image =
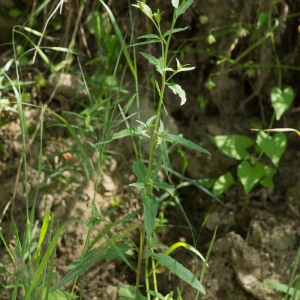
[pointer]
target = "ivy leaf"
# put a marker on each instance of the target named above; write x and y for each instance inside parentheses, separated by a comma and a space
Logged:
(177, 90)
(273, 146)
(250, 175)
(281, 100)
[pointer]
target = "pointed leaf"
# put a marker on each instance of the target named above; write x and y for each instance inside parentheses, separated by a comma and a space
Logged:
(181, 140)
(157, 63)
(140, 171)
(233, 145)
(149, 36)
(250, 175)
(175, 30)
(183, 7)
(281, 100)
(177, 90)
(179, 270)
(134, 131)
(150, 212)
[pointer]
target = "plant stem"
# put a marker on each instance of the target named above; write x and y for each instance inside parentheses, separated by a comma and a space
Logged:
(140, 258)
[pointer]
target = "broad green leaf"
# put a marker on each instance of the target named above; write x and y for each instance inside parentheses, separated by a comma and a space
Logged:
(267, 181)
(150, 211)
(177, 90)
(181, 140)
(223, 183)
(250, 175)
(134, 131)
(157, 63)
(183, 7)
(273, 146)
(234, 146)
(175, 30)
(179, 270)
(281, 100)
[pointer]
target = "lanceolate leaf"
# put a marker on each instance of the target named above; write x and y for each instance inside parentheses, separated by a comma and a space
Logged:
(150, 212)
(140, 171)
(134, 131)
(183, 7)
(181, 140)
(149, 36)
(175, 30)
(153, 61)
(179, 270)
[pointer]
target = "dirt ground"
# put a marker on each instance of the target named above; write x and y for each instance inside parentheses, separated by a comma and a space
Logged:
(258, 236)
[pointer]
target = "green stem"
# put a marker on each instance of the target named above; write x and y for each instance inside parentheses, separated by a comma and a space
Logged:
(140, 258)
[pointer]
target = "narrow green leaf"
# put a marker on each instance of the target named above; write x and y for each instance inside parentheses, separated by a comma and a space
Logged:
(42, 266)
(181, 140)
(281, 100)
(273, 146)
(157, 63)
(234, 146)
(177, 90)
(183, 7)
(150, 211)
(250, 175)
(42, 234)
(120, 38)
(223, 183)
(174, 30)
(179, 270)
(134, 131)
(149, 36)
(162, 185)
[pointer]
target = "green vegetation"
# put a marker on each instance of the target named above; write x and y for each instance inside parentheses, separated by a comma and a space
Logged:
(105, 117)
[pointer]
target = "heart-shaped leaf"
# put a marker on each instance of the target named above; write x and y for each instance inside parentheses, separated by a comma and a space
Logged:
(234, 145)
(272, 146)
(281, 100)
(250, 175)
